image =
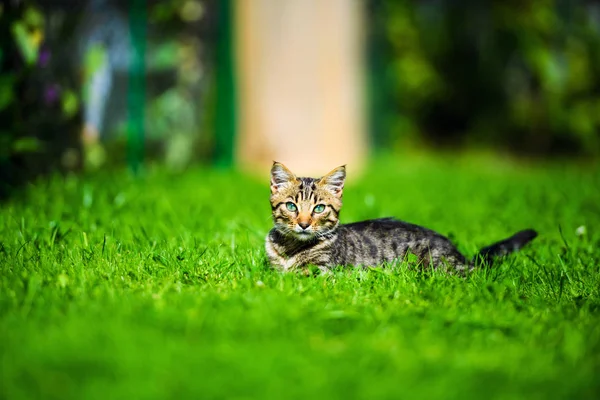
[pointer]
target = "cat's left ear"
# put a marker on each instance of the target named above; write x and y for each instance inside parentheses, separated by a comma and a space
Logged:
(280, 176)
(334, 181)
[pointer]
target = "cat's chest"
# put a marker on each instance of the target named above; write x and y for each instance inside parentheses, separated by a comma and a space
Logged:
(285, 257)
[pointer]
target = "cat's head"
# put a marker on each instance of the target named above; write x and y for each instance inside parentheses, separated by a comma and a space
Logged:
(306, 208)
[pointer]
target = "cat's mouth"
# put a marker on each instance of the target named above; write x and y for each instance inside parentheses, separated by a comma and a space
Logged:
(304, 234)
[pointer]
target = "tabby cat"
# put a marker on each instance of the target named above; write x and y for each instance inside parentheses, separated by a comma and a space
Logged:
(307, 231)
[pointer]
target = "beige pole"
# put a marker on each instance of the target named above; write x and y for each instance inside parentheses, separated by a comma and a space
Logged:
(300, 93)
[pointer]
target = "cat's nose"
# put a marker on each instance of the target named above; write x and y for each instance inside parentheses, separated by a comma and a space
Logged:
(303, 225)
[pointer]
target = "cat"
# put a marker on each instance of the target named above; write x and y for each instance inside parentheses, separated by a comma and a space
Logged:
(307, 231)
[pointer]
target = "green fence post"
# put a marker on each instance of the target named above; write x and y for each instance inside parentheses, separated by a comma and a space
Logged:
(379, 101)
(225, 124)
(136, 93)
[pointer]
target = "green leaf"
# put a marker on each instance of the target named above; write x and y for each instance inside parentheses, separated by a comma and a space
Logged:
(33, 17)
(26, 145)
(70, 103)
(26, 43)
(95, 58)
(164, 57)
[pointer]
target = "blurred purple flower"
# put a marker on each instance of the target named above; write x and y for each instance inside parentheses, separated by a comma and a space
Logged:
(51, 94)
(44, 57)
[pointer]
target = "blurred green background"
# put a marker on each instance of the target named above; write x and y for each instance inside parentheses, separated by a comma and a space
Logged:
(511, 76)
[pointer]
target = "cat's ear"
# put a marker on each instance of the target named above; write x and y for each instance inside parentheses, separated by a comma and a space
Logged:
(334, 181)
(280, 176)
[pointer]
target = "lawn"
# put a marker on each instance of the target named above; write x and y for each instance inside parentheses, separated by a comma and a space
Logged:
(157, 287)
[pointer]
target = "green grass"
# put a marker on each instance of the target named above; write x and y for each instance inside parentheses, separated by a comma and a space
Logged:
(114, 287)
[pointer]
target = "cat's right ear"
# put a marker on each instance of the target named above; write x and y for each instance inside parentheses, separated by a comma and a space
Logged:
(280, 176)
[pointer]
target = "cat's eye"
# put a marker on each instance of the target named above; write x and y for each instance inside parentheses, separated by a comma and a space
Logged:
(319, 208)
(291, 206)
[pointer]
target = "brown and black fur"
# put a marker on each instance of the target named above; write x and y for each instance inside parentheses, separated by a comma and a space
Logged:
(302, 236)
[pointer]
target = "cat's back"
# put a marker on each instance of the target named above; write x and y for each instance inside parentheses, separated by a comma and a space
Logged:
(386, 226)
(374, 241)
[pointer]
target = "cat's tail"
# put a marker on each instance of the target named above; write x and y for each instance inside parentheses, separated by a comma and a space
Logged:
(489, 254)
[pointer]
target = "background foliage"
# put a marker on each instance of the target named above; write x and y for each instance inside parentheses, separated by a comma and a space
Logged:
(521, 75)
(44, 75)
(39, 102)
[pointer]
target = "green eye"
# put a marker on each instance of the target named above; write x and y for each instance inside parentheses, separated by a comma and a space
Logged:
(291, 206)
(319, 208)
